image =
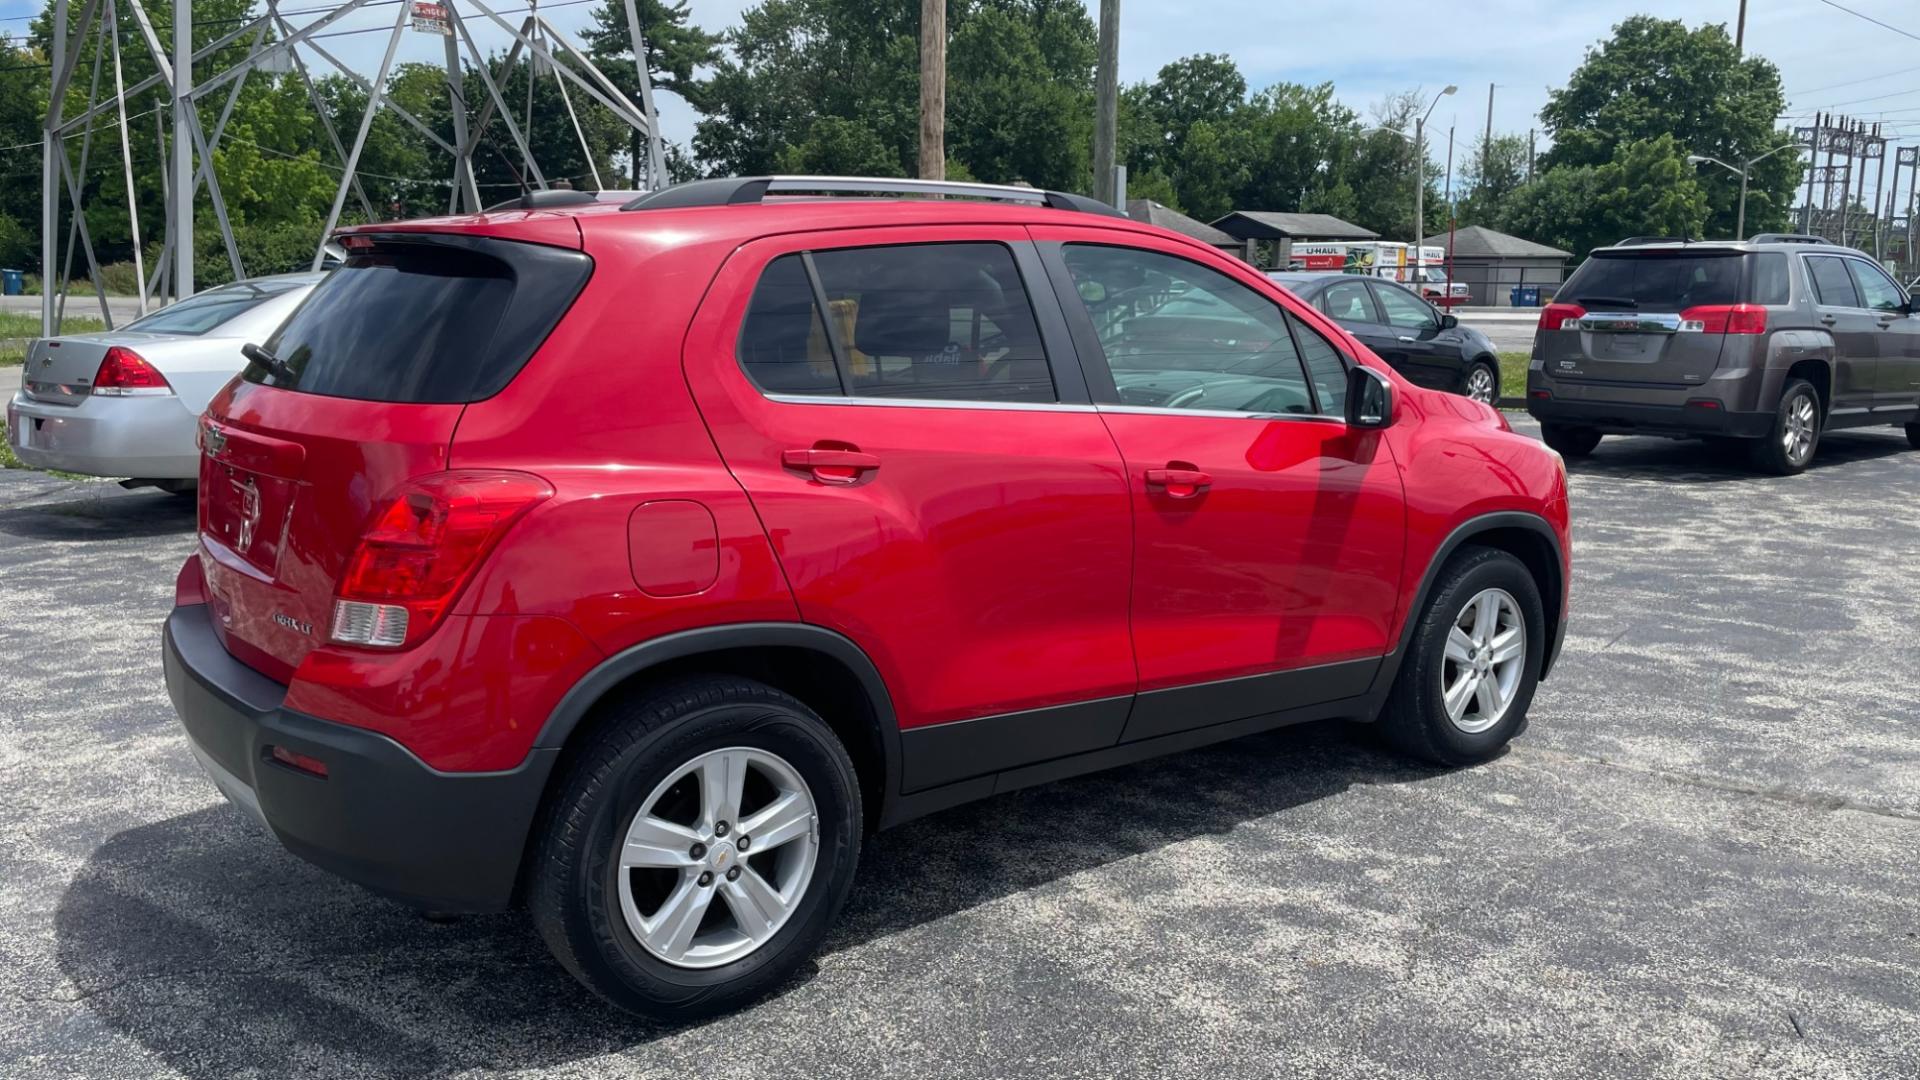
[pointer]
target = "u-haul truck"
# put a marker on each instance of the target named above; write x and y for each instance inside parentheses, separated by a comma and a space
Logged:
(1426, 271)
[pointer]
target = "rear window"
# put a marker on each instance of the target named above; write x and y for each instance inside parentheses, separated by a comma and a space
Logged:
(446, 321)
(197, 315)
(1655, 280)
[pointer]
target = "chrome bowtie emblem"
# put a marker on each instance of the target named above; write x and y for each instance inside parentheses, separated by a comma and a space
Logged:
(214, 439)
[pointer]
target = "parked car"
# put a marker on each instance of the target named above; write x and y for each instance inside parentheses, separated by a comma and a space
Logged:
(1771, 341)
(633, 562)
(127, 402)
(1428, 346)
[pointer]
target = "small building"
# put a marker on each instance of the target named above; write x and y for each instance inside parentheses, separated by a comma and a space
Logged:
(1167, 217)
(1493, 264)
(1253, 227)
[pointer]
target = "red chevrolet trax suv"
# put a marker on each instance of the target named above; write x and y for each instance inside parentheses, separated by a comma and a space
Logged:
(632, 562)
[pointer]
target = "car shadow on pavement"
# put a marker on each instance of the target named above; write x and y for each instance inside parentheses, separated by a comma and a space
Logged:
(1697, 461)
(111, 515)
(223, 955)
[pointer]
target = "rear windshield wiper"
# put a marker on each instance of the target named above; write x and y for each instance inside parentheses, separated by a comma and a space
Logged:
(1622, 302)
(275, 366)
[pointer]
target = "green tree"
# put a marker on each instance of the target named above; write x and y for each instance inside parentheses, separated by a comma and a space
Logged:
(1657, 77)
(1491, 173)
(1647, 189)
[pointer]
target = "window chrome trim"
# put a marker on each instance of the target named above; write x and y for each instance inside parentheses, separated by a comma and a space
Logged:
(1156, 410)
(929, 403)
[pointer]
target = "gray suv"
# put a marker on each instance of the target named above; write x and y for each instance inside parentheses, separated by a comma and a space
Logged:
(1772, 341)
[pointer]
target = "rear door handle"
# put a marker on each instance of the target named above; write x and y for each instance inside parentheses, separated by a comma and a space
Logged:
(831, 466)
(1178, 481)
(1828, 320)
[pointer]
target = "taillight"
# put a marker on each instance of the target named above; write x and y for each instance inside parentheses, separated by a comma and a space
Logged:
(422, 548)
(1557, 316)
(1725, 319)
(124, 373)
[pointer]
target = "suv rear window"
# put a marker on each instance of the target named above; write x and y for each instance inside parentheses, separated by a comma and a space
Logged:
(442, 321)
(1655, 280)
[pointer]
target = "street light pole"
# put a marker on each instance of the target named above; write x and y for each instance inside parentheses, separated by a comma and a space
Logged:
(1740, 216)
(1420, 178)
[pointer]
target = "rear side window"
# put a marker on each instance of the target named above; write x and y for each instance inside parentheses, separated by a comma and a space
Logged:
(1769, 279)
(933, 322)
(1349, 301)
(197, 315)
(447, 321)
(1655, 281)
(1831, 282)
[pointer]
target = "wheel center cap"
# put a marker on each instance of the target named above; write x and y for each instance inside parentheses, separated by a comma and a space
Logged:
(721, 857)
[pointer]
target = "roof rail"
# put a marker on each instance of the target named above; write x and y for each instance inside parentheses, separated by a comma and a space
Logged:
(1636, 241)
(1787, 238)
(735, 191)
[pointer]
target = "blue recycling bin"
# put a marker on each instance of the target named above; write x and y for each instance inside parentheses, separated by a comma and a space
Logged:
(1524, 296)
(13, 282)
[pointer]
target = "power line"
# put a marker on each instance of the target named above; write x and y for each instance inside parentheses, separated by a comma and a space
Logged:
(1871, 19)
(1854, 82)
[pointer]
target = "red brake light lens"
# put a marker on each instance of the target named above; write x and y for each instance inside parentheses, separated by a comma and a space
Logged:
(1556, 316)
(1725, 319)
(124, 373)
(421, 549)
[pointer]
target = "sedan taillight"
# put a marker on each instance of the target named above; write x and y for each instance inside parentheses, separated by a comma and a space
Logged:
(125, 373)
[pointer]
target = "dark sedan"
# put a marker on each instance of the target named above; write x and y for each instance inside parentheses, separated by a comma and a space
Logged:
(1429, 347)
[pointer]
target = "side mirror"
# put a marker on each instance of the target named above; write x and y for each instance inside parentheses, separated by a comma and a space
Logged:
(1369, 398)
(1449, 321)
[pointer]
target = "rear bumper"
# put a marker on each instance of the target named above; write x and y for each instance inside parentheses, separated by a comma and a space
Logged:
(1626, 419)
(147, 437)
(380, 817)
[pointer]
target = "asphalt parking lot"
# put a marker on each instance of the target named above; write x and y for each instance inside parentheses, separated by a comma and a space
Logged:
(1703, 860)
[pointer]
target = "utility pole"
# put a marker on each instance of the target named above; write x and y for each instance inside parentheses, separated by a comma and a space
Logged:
(933, 89)
(1740, 31)
(1106, 108)
(1530, 155)
(1486, 145)
(50, 174)
(180, 229)
(1813, 166)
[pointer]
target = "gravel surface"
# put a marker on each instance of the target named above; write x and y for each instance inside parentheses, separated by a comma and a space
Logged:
(1702, 860)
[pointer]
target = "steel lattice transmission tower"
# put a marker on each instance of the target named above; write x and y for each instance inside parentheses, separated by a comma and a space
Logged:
(276, 42)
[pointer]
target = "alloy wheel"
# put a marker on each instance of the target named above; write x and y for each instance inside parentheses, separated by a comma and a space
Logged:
(1480, 384)
(1802, 424)
(737, 824)
(1485, 655)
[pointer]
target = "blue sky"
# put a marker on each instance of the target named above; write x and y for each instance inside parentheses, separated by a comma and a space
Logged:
(1369, 48)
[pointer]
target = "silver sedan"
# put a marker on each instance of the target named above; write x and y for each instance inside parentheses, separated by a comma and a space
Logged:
(127, 402)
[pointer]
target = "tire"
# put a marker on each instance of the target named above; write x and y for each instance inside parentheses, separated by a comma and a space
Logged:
(1481, 382)
(583, 901)
(1789, 446)
(1417, 720)
(1570, 442)
(1913, 436)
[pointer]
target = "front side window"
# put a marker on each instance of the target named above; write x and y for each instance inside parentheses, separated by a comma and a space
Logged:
(1349, 302)
(1831, 282)
(1325, 366)
(1403, 310)
(1877, 290)
(1177, 335)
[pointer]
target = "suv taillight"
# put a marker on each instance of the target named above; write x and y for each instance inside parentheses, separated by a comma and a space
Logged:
(1556, 316)
(1725, 319)
(124, 373)
(422, 548)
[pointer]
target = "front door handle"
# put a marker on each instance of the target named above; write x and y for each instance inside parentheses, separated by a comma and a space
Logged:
(1178, 480)
(1828, 320)
(1407, 337)
(831, 466)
